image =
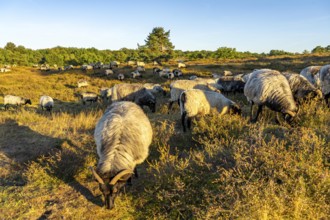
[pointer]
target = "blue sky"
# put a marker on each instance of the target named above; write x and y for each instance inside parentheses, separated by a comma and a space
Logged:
(254, 25)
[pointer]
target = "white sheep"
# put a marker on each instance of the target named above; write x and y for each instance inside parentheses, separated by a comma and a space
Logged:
(108, 72)
(194, 102)
(15, 100)
(135, 93)
(301, 88)
(272, 89)
(181, 65)
(156, 70)
(46, 102)
(121, 76)
(122, 136)
(86, 67)
(170, 75)
(69, 67)
(136, 74)
(325, 82)
(177, 73)
(154, 88)
(177, 87)
(82, 83)
(4, 70)
(88, 97)
(193, 77)
(311, 73)
(140, 69)
(114, 64)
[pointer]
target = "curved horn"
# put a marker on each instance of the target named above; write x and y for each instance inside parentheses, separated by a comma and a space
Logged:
(291, 113)
(319, 93)
(119, 175)
(97, 177)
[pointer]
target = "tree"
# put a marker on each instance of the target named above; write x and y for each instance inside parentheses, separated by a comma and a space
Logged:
(158, 45)
(10, 46)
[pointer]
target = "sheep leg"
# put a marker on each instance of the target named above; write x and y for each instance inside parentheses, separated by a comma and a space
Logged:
(251, 110)
(170, 104)
(183, 120)
(326, 97)
(189, 123)
(258, 112)
(136, 173)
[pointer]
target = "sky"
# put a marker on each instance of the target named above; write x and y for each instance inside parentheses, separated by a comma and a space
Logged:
(247, 25)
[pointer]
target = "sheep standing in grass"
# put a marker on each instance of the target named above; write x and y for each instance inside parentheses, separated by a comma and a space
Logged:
(136, 74)
(88, 97)
(82, 83)
(301, 88)
(194, 102)
(135, 93)
(177, 73)
(121, 77)
(325, 82)
(154, 88)
(122, 136)
(15, 100)
(177, 87)
(46, 102)
(105, 93)
(311, 73)
(108, 72)
(272, 89)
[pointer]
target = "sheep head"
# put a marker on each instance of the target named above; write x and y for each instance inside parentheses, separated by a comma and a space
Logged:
(110, 186)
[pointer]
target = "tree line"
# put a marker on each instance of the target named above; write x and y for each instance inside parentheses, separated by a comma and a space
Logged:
(158, 47)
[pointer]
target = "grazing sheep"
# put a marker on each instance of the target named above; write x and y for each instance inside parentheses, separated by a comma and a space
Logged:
(106, 66)
(301, 88)
(121, 76)
(311, 73)
(15, 100)
(272, 89)
(105, 93)
(156, 70)
(108, 72)
(177, 87)
(114, 64)
(177, 73)
(154, 88)
(136, 74)
(181, 65)
(46, 102)
(82, 83)
(86, 67)
(227, 73)
(89, 97)
(140, 69)
(122, 136)
(196, 101)
(4, 70)
(139, 63)
(193, 77)
(325, 82)
(69, 67)
(170, 75)
(231, 84)
(135, 93)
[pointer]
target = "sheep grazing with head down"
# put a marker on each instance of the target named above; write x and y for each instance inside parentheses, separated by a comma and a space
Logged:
(122, 136)
(194, 102)
(135, 93)
(301, 88)
(272, 89)
(46, 102)
(325, 82)
(15, 100)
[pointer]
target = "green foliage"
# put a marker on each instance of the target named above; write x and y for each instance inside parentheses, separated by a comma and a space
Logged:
(320, 49)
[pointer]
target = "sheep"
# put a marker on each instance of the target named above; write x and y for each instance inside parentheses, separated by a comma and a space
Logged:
(325, 82)
(170, 75)
(105, 93)
(69, 67)
(108, 72)
(135, 93)
(177, 87)
(156, 70)
(154, 88)
(231, 84)
(15, 100)
(4, 70)
(227, 73)
(88, 97)
(139, 63)
(177, 72)
(121, 76)
(46, 102)
(86, 67)
(82, 83)
(301, 88)
(164, 73)
(196, 101)
(106, 66)
(272, 89)
(311, 73)
(114, 64)
(181, 65)
(193, 77)
(140, 69)
(136, 74)
(122, 136)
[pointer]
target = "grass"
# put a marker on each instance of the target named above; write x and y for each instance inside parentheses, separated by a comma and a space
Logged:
(225, 168)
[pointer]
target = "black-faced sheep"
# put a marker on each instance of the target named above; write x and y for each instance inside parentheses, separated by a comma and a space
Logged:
(15, 100)
(135, 93)
(272, 89)
(194, 102)
(301, 88)
(122, 136)
(121, 76)
(46, 102)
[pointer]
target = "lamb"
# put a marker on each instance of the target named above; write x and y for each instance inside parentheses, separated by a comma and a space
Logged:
(196, 101)
(46, 102)
(325, 82)
(301, 88)
(154, 88)
(121, 76)
(88, 97)
(82, 83)
(122, 136)
(311, 73)
(15, 100)
(177, 87)
(272, 89)
(135, 93)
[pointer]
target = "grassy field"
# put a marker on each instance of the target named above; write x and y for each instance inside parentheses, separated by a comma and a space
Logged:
(225, 168)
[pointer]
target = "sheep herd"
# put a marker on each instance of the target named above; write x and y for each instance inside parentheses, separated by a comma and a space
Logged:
(124, 133)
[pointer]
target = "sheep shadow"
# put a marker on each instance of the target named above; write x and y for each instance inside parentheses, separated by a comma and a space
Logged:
(20, 146)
